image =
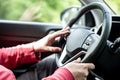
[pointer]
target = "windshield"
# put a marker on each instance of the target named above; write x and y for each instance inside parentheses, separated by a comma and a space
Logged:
(114, 5)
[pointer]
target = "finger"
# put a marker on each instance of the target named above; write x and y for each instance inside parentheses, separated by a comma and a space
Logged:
(77, 60)
(60, 33)
(67, 27)
(90, 65)
(52, 49)
(57, 39)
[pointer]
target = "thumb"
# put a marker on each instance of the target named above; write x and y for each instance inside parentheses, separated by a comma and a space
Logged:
(78, 60)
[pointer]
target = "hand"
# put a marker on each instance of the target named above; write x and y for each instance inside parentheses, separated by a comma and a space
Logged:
(79, 70)
(44, 44)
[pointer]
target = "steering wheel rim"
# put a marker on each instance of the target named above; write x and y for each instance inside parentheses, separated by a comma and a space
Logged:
(106, 28)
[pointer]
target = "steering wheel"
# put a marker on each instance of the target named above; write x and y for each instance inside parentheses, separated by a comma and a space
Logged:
(84, 42)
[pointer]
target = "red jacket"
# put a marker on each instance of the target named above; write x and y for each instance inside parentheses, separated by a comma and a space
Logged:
(12, 57)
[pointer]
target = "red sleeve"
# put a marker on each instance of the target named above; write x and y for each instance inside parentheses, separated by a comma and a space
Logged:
(6, 74)
(60, 74)
(15, 56)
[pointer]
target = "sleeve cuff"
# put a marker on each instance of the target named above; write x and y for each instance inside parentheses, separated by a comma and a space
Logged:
(61, 74)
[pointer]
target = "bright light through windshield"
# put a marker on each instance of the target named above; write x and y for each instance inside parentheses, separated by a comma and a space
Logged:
(114, 5)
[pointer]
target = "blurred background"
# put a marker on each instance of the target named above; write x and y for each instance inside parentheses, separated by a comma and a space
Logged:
(41, 10)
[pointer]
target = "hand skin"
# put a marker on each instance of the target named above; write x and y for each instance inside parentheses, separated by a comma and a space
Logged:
(44, 44)
(79, 70)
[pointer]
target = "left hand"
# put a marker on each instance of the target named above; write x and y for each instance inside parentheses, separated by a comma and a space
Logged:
(79, 70)
(44, 44)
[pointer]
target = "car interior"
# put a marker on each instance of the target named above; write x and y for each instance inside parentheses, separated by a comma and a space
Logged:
(99, 25)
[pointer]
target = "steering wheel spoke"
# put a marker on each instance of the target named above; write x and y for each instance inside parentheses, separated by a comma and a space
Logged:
(62, 57)
(97, 29)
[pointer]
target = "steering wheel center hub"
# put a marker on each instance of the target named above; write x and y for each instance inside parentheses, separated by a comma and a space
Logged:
(76, 41)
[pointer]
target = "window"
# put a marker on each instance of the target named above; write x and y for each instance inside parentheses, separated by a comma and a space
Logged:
(114, 5)
(34, 10)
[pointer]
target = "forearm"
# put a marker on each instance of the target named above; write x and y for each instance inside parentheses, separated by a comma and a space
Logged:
(15, 56)
(60, 74)
(6, 74)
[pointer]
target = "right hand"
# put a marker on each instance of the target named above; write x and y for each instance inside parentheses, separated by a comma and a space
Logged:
(79, 70)
(45, 44)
